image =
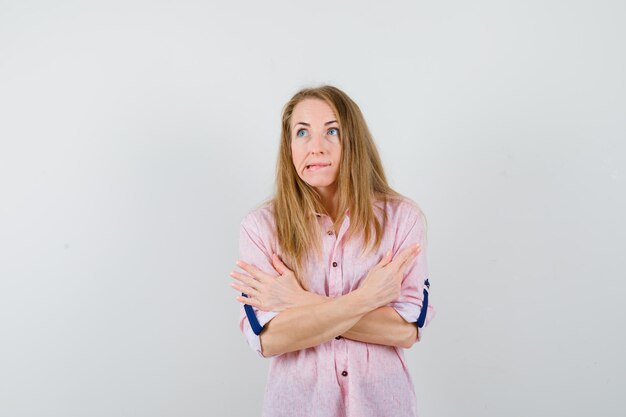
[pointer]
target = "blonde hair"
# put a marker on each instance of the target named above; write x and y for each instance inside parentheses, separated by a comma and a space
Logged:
(361, 182)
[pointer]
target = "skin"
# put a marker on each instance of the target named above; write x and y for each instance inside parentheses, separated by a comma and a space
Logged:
(361, 315)
(315, 137)
(309, 319)
(270, 293)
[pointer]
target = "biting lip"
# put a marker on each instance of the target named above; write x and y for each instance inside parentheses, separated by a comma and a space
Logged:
(317, 165)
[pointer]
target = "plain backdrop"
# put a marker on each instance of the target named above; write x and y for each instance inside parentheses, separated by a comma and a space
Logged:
(135, 135)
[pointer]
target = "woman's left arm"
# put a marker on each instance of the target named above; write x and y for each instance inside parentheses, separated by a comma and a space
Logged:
(401, 322)
(383, 326)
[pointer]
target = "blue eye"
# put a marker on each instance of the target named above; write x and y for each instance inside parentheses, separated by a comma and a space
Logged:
(329, 130)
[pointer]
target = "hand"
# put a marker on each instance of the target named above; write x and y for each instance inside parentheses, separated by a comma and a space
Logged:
(267, 292)
(382, 284)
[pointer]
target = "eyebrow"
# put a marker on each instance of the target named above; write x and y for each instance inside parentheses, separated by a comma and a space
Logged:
(306, 124)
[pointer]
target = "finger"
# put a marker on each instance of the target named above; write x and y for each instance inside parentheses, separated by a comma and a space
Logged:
(385, 259)
(246, 290)
(254, 271)
(249, 301)
(280, 267)
(405, 255)
(400, 258)
(250, 281)
(408, 261)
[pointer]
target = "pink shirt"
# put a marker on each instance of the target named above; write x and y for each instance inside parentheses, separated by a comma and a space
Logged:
(341, 377)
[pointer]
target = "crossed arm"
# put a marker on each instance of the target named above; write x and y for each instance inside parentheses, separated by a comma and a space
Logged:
(315, 319)
(321, 318)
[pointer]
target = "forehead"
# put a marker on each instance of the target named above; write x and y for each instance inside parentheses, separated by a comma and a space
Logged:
(312, 110)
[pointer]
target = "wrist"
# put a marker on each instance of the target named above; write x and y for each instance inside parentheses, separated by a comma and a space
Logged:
(362, 301)
(306, 298)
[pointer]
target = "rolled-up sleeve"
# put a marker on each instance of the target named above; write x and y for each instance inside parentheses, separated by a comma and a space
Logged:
(254, 249)
(414, 304)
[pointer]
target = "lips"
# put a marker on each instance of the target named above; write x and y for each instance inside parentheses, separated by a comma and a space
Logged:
(315, 167)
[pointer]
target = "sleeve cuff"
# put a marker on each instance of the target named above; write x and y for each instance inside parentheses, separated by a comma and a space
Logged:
(254, 340)
(416, 314)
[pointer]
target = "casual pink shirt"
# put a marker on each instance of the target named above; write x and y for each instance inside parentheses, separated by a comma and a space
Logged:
(341, 377)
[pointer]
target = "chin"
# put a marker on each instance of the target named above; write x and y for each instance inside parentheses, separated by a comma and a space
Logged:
(320, 183)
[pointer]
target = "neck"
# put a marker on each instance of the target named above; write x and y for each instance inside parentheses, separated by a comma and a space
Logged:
(330, 199)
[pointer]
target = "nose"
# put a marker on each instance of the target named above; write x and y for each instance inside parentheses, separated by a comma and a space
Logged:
(317, 143)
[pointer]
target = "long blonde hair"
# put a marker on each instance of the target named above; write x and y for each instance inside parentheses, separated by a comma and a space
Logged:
(360, 183)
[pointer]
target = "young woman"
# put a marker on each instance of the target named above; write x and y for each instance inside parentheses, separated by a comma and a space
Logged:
(335, 272)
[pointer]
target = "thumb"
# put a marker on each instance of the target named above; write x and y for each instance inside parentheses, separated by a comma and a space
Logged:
(386, 258)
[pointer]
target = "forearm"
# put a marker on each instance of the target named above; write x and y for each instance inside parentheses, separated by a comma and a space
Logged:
(383, 325)
(312, 324)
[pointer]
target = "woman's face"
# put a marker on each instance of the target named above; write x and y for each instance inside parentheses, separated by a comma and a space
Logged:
(315, 140)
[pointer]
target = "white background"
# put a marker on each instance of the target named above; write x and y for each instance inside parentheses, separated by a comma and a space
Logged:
(135, 135)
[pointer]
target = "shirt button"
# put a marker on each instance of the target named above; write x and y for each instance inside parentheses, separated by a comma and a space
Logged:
(334, 263)
(338, 337)
(344, 373)
(330, 232)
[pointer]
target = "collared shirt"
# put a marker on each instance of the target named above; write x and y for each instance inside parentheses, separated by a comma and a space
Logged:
(341, 377)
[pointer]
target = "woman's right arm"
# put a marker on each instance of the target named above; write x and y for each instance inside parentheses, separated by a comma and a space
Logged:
(307, 326)
(310, 325)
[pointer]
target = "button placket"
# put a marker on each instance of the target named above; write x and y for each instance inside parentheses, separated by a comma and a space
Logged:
(336, 278)
(333, 288)
(334, 275)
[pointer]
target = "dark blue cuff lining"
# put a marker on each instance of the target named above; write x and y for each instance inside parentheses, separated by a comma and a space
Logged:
(422, 317)
(254, 322)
